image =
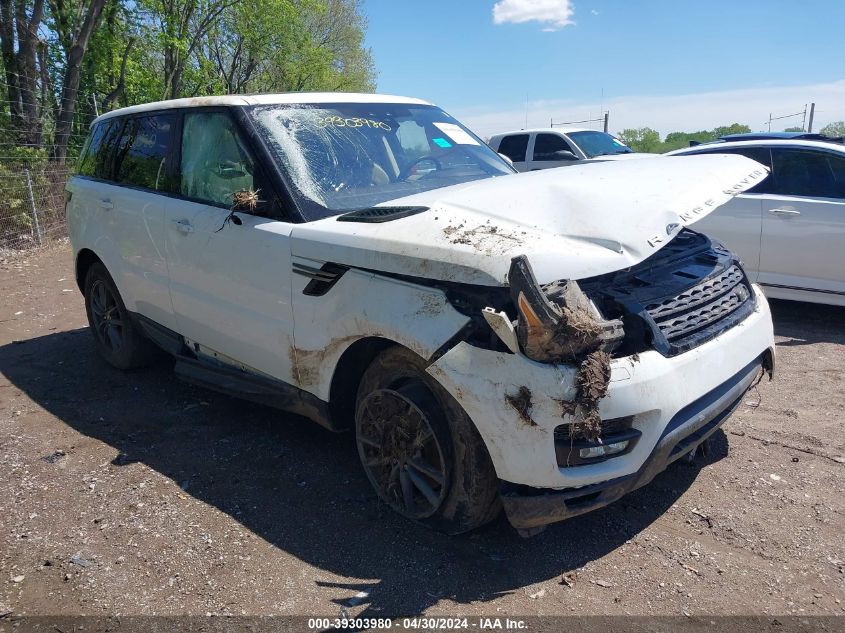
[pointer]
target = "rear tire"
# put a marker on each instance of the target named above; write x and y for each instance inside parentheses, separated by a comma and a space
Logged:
(117, 338)
(419, 449)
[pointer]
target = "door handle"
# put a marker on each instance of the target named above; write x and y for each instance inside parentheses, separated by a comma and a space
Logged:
(786, 211)
(106, 204)
(183, 226)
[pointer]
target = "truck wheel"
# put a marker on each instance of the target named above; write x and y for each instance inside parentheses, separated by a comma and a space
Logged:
(118, 340)
(419, 449)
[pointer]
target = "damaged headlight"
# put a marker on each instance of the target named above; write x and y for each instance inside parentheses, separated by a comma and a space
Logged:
(560, 325)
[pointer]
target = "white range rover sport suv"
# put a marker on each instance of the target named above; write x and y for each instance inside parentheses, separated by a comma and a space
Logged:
(543, 342)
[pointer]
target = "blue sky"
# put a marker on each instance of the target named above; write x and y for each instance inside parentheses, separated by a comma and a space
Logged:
(671, 65)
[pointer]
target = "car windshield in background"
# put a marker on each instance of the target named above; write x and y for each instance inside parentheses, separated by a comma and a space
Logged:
(340, 157)
(599, 144)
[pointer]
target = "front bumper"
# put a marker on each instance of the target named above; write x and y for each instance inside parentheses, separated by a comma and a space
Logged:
(529, 507)
(675, 404)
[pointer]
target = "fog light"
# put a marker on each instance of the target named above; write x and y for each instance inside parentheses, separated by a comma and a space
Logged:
(603, 450)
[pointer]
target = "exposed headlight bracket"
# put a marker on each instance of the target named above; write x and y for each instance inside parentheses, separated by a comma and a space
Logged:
(563, 330)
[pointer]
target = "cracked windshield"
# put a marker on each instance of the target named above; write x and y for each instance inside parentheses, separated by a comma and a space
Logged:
(342, 157)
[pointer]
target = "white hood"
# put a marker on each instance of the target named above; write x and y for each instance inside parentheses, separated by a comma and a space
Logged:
(571, 223)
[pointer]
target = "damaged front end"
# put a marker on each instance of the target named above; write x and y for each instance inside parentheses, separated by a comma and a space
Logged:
(596, 385)
(684, 295)
(559, 324)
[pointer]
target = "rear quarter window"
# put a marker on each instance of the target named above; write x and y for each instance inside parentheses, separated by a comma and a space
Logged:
(96, 157)
(514, 147)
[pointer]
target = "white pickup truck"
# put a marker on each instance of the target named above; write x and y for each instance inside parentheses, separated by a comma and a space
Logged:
(544, 148)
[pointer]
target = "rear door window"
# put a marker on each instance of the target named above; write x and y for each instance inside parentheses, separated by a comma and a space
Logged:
(141, 156)
(514, 147)
(546, 146)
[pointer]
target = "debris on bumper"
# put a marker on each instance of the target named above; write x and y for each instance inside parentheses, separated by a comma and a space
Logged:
(562, 326)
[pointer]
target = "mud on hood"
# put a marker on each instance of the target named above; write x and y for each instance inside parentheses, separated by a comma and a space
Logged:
(573, 222)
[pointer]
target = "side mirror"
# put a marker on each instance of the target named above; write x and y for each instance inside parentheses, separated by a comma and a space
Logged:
(561, 154)
(229, 170)
(507, 159)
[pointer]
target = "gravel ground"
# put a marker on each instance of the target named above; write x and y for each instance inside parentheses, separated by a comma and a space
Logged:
(132, 493)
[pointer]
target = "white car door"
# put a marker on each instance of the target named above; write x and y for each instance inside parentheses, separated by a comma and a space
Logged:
(803, 242)
(230, 274)
(130, 210)
(551, 150)
(738, 224)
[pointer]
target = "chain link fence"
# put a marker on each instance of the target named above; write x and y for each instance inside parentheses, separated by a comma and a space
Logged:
(32, 204)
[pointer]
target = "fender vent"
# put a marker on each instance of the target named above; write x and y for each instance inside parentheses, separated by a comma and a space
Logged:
(380, 214)
(322, 279)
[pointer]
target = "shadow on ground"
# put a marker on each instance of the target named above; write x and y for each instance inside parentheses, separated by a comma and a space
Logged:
(301, 488)
(807, 323)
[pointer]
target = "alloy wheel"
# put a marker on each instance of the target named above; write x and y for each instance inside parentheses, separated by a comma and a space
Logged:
(400, 451)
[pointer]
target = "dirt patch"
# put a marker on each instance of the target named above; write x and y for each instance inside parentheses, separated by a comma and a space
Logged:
(486, 238)
(308, 362)
(432, 304)
(592, 380)
(522, 403)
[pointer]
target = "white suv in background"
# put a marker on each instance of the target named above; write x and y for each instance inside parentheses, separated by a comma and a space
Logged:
(543, 342)
(545, 148)
(789, 229)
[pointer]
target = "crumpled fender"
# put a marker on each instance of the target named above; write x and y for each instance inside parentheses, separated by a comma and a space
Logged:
(363, 304)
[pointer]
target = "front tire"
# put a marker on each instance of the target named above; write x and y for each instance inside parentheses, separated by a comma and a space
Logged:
(117, 338)
(420, 451)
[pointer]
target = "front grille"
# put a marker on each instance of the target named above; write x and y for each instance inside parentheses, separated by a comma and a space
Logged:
(700, 306)
(697, 295)
(679, 298)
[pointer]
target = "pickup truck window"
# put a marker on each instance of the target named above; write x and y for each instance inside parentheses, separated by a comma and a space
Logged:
(514, 147)
(343, 156)
(595, 143)
(545, 146)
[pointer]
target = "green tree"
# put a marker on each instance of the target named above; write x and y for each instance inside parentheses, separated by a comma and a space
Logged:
(331, 55)
(642, 139)
(733, 128)
(834, 129)
(796, 128)
(64, 62)
(677, 140)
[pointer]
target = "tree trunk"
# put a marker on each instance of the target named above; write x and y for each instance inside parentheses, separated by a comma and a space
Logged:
(20, 66)
(70, 83)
